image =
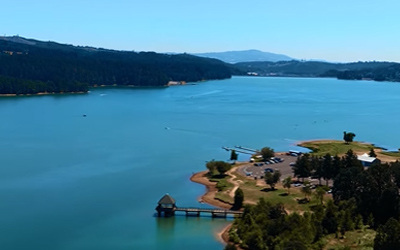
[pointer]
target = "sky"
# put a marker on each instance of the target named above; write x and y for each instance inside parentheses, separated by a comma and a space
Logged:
(337, 31)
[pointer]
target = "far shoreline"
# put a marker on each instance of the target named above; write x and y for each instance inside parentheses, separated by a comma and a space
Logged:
(83, 92)
(110, 87)
(43, 93)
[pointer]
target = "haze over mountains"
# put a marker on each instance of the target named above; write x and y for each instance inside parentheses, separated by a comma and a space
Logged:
(245, 56)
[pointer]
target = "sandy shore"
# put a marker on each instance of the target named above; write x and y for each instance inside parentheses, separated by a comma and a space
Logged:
(211, 190)
(209, 198)
(223, 236)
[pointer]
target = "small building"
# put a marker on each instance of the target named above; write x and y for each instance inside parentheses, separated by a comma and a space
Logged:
(367, 160)
(173, 83)
(166, 205)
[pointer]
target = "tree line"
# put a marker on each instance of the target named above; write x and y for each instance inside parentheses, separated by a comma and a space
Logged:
(379, 71)
(50, 67)
(387, 73)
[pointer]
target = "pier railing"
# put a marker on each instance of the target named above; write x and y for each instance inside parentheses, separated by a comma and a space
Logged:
(214, 212)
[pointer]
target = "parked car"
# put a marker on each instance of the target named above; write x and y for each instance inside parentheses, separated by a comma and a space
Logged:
(292, 164)
(258, 164)
(268, 170)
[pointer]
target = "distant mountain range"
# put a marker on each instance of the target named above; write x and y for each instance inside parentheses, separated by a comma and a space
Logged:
(245, 56)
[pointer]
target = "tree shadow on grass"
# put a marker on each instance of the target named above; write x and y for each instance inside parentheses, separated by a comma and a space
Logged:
(283, 194)
(216, 177)
(313, 207)
(303, 201)
(268, 189)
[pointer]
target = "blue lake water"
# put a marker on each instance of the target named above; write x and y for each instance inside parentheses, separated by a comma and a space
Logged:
(73, 182)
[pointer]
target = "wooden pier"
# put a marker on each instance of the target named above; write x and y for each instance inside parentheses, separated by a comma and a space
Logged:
(248, 149)
(167, 206)
(214, 212)
(236, 150)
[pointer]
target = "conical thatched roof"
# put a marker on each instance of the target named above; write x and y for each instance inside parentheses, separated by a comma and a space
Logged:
(166, 199)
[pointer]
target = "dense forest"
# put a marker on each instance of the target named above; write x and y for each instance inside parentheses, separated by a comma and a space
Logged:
(388, 73)
(30, 66)
(379, 71)
(360, 198)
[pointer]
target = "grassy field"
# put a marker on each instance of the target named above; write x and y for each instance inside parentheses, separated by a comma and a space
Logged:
(253, 192)
(322, 147)
(358, 239)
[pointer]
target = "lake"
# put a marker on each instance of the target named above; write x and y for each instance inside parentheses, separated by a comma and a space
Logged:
(74, 182)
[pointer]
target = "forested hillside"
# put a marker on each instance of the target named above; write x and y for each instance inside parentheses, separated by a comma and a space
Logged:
(388, 73)
(379, 71)
(29, 67)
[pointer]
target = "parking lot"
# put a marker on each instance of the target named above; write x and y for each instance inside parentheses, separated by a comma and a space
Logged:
(284, 167)
(257, 172)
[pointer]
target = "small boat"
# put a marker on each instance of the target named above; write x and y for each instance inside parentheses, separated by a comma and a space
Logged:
(84, 115)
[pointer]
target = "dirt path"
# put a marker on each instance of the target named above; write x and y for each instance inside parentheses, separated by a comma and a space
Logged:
(236, 183)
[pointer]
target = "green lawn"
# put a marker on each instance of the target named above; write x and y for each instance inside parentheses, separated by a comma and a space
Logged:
(321, 148)
(253, 193)
(357, 239)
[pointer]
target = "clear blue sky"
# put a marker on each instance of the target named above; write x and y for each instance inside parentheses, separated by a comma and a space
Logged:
(340, 30)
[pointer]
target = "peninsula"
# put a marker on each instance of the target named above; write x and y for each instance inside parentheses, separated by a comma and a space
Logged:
(301, 193)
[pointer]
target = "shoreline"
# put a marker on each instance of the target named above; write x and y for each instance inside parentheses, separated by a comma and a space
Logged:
(84, 92)
(298, 143)
(43, 93)
(208, 197)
